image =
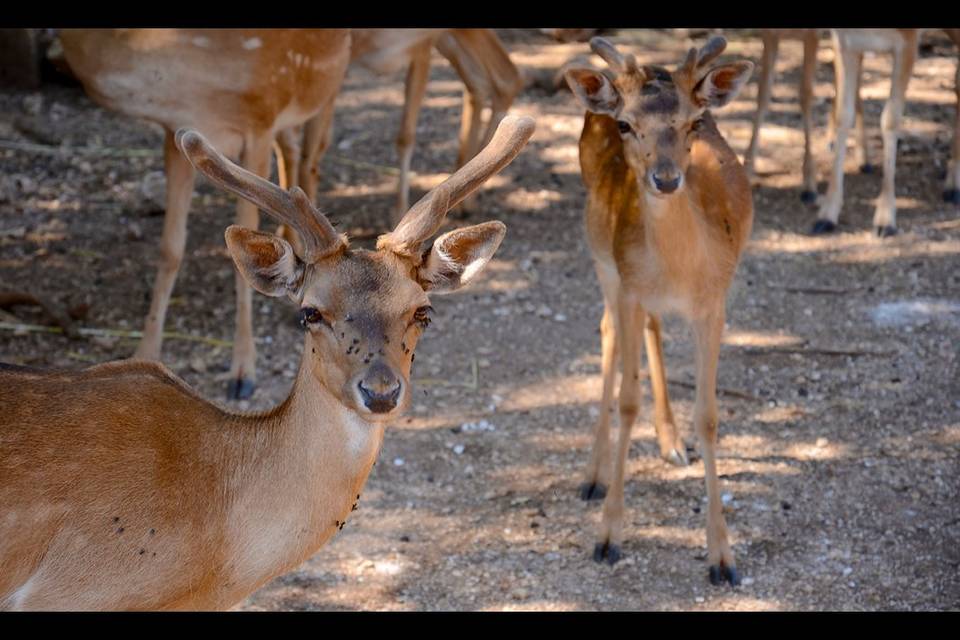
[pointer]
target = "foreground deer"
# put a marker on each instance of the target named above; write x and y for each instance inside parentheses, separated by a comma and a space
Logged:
(238, 86)
(490, 81)
(668, 212)
(121, 488)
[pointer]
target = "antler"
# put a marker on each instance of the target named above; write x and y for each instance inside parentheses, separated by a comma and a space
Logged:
(617, 61)
(291, 207)
(426, 216)
(696, 61)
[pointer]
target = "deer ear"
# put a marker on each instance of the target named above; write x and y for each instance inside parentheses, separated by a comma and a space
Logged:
(267, 262)
(594, 90)
(722, 84)
(458, 256)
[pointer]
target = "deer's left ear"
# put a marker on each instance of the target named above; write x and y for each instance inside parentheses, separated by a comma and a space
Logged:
(722, 84)
(265, 261)
(458, 256)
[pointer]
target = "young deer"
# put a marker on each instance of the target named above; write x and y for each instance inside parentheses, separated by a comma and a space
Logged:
(489, 76)
(240, 87)
(668, 212)
(121, 488)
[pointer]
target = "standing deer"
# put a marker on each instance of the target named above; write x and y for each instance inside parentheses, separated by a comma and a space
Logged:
(240, 87)
(490, 81)
(668, 212)
(121, 488)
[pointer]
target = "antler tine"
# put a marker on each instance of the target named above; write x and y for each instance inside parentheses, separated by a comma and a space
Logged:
(713, 48)
(605, 49)
(290, 207)
(426, 216)
(689, 62)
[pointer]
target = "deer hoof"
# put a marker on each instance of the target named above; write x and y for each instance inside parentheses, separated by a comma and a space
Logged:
(808, 197)
(952, 195)
(886, 231)
(867, 168)
(239, 389)
(677, 457)
(593, 491)
(604, 551)
(821, 227)
(722, 573)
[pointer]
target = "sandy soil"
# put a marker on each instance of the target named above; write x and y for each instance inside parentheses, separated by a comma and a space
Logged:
(839, 471)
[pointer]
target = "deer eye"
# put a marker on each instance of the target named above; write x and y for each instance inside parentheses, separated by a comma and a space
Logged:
(623, 126)
(311, 316)
(422, 316)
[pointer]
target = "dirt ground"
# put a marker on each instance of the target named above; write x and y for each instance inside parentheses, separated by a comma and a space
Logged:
(839, 447)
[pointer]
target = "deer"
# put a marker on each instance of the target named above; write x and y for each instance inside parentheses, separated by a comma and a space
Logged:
(122, 488)
(490, 78)
(669, 209)
(240, 87)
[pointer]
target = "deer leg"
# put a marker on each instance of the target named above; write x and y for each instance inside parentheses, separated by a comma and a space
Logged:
(317, 134)
(672, 448)
(287, 150)
(810, 42)
(769, 62)
(951, 192)
(180, 178)
(611, 526)
(885, 215)
(242, 375)
(470, 122)
(708, 333)
(861, 150)
(845, 63)
(417, 76)
(598, 471)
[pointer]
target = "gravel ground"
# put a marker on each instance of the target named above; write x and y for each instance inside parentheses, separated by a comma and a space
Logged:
(840, 412)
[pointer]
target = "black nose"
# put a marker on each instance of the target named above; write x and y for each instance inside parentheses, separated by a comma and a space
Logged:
(379, 402)
(666, 186)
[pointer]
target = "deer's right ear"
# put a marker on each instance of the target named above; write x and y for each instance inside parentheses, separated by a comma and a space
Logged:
(267, 262)
(594, 90)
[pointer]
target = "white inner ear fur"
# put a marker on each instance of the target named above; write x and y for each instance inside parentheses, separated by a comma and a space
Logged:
(710, 94)
(594, 90)
(458, 256)
(267, 262)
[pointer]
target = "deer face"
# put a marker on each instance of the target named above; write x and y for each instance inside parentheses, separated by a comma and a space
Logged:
(658, 113)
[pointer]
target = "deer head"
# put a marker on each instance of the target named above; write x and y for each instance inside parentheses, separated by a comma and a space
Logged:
(362, 311)
(659, 113)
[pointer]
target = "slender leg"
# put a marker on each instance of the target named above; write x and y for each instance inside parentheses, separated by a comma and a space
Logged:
(317, 134)
(708, 333)
(672, 448)
(597, 477)
(240, 384)
(287, 150)
(844, 62)
(885, 215)
(611, 526)
(951, 191)
(771, 42)
(180, 178)
(861, 151)
(471, 121)
(810, 42)
(416, 86)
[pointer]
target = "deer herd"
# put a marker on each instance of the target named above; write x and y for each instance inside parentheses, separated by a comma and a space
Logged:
(122, 488)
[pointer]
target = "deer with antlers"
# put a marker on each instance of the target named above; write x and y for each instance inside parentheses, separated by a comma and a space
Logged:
(121, 488)
(490, 79)
(668, 212)
(240, 87)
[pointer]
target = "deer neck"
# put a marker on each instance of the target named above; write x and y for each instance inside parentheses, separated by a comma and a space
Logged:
(296, 483)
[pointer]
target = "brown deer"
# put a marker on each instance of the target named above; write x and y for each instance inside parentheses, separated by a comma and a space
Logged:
(490, 81)
(240, 87)
(121, 488)
(668, 212)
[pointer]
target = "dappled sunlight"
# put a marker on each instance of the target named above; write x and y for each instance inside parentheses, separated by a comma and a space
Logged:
(739, 338)
(851, 247)
(535, 605)
(780, 414)
(822, 449)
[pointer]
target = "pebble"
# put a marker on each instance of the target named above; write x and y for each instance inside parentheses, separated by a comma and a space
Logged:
(458, 449)
(398, 462)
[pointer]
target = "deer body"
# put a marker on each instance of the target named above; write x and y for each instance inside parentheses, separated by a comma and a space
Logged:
(120, 488)
(239, 87)
(668, 212)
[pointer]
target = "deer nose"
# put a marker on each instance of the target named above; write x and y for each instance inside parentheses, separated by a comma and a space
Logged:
(380, 388)
(666, 185)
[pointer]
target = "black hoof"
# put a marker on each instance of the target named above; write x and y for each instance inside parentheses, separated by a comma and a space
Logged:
(952, 195)
(239, 389)
(808, 197)
(606, 552)
(886, 231)
(593, 491)
(867, 168)
(821, 227)
(720, 574)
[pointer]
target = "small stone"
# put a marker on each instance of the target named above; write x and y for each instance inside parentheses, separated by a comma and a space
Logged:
(458, 449)
(559, 317)
(398, 462)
